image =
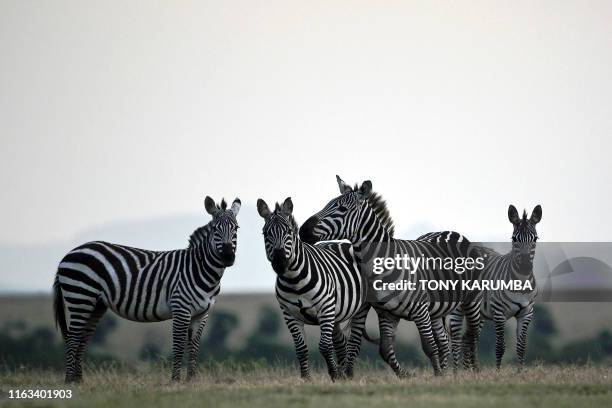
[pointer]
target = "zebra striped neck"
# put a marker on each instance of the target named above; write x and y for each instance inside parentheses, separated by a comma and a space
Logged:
(298, 260)
(369, 230)
(208, 263)
(209, 260)
(199, 236)
(378, 206)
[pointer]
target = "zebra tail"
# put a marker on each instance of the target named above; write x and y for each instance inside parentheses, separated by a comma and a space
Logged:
(368, 338)
(346, 331)
(58, 308)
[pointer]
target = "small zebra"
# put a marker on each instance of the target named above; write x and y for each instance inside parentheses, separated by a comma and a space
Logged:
(315, 285)
(145, 286)
(499, 306)
(361, 216)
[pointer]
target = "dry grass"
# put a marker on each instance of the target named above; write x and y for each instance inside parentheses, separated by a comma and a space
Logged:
(254, 386)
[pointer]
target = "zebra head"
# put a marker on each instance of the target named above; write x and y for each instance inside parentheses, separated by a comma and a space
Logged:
(280, 233)
(345, 216)
(223, 229)
(524, 236)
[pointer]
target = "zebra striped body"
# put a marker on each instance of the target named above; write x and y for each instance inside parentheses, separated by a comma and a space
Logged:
(315, 285)
(441, 244)
(145, 286)
(426, 308)
(318, 277)
(509, 267)
(502, 305)
(360, 216)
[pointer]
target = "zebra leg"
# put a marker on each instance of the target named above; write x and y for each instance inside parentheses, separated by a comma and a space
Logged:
(354, 341)
(326, 345)
(73, 340)
(442, 342)
(296, 328)
(456, 325)
(84, 314)
(86, 334)
(472, 334)
(181, 319)
(193, 343)
(423, 324)
(387, 325)
(522, 324)
(476, 361)
(500, 344)
(340, 343)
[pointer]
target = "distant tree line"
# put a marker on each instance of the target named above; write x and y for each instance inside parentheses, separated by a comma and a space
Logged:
(38, 347)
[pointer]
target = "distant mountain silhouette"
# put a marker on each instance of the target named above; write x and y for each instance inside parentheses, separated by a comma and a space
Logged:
(27, 268)
(31, 268)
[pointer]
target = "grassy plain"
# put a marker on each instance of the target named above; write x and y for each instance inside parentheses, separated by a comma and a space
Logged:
(254, 385)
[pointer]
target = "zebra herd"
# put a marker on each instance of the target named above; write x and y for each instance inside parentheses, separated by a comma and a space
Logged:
(317, 283)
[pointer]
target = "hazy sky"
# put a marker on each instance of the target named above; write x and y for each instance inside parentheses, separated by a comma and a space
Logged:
(115, 111)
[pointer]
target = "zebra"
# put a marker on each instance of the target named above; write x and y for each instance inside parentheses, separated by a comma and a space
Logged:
(361, 216)
(315, 285)
(499, 306)
(145, 286)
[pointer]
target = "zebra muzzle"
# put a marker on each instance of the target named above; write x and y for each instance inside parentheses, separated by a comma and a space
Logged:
(279, 260)
(228, 255)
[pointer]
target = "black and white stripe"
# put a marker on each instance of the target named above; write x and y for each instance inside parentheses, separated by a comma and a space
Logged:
(361, 216)
(502, 305)
(315, 285)
(145, 286)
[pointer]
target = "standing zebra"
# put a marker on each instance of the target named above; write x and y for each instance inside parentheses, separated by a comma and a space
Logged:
(145, 286)
(318, 284)
(361, 216)
(501, 305)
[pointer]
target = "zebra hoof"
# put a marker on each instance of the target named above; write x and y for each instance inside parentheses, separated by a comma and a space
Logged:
(73, 380)
(348, 373)
(306, 378)
(342, 376)
(403, 373)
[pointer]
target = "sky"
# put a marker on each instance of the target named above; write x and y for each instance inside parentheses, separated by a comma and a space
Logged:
(127, 113)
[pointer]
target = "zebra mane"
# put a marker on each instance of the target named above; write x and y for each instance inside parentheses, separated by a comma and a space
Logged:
(524, 215)
(379, 206)
(198, 236)
(485, 251)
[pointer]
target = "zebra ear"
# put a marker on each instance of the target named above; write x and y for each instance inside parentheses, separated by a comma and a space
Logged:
(344, 188)
(263, 209)
(209, 205)
(536, 215)
(366, 188)
(513, 215)
(287, 207)
(236, 206)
